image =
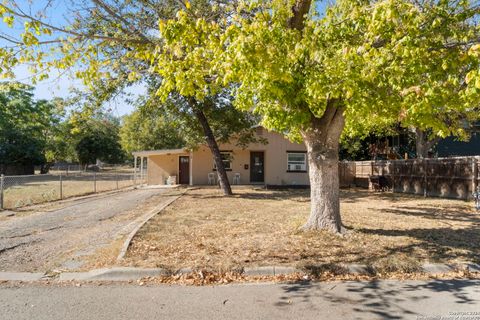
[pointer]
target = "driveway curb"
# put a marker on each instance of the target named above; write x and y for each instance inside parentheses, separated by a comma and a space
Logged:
(113, 274)
(21, 276)
(132, 274)
(141, 222)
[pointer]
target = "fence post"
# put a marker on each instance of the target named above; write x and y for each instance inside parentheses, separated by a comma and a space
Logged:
(424, 177)
(61, 186)
(116, 177)
(2, 184)
(392, 174)
(94, 182)
(474, 175)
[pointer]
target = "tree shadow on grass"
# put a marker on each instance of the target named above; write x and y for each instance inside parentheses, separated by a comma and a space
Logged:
(451, 213)
(355, 194)
(441, 243)
(379, 299)
(293, 194)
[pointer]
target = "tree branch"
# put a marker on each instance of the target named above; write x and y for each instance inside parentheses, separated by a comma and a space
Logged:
(78, 34)
(300, 9)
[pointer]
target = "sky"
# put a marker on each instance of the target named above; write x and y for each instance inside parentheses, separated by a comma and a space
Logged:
(60, 85)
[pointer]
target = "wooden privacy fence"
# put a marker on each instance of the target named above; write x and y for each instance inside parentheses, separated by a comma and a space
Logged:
(440, 177)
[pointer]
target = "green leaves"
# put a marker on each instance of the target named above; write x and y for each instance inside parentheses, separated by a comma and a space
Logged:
(388, 61)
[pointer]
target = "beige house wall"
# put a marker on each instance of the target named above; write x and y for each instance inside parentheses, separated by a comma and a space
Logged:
(160, 167)
(201, 163)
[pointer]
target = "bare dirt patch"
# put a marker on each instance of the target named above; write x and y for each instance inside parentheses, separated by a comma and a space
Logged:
(392, 232)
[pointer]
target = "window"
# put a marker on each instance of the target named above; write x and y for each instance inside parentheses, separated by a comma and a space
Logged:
(227, 160)
(297, 161)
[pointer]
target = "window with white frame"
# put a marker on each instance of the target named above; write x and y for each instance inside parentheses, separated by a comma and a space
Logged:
(227, 160)
(296, 161)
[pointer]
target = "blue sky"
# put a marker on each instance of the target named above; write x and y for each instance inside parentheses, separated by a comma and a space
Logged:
(56, 85)
(60, 86)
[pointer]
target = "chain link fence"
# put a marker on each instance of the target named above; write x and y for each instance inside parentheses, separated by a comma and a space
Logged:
(23, 190)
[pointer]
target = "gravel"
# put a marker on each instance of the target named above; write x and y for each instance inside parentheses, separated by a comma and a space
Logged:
(64, 237)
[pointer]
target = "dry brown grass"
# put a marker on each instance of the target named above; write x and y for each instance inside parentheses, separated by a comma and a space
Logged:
(392, 232)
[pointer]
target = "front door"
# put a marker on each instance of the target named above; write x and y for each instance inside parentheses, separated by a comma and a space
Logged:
(257, 172)
(184, 170)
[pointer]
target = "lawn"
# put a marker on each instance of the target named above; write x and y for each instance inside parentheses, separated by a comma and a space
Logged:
(391, 232)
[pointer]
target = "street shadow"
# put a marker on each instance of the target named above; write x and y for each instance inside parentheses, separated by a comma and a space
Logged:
(379, 299)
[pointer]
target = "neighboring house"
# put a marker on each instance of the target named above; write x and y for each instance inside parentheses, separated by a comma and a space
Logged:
(278, 162)
(451, 147)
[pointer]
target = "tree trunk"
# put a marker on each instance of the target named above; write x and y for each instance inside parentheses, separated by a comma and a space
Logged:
(422, 144)
(322, 141)
(212, 144)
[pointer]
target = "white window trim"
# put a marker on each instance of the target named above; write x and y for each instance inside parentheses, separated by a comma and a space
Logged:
(229, 161)
(297, 166)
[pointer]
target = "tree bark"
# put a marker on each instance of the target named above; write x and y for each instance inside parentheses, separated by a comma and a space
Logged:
(212, 144)
(300, 9)
(322, 141)
(422, 144)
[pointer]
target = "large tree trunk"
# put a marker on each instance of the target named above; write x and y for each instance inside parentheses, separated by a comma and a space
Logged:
(212, 144)
(422, 143)
(322, 141)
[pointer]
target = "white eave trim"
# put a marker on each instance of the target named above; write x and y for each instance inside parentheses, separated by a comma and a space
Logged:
(158, 152)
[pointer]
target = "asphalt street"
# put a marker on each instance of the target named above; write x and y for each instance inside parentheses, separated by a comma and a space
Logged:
(434, 299)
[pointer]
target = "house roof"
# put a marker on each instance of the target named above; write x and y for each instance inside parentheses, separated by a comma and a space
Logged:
(158, 152)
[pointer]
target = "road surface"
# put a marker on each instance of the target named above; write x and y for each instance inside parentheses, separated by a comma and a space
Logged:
(450, 299)
(64, 237)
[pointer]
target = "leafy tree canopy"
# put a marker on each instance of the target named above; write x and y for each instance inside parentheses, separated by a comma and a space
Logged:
(99, 139)
(27, 126)
(414, 62)
(143, 130)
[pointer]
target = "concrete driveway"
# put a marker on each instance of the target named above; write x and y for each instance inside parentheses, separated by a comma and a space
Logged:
(66, 236)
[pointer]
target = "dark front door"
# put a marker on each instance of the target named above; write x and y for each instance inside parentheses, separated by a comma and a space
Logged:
(184, 170)
(257, 172)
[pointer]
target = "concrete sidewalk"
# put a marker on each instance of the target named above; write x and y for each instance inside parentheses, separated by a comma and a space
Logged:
(450, 299)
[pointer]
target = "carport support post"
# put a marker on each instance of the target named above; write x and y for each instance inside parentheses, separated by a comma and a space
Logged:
(141, 170)
(116, 176)
(134, 170)
(2, 181)
(94, 182)
(191, 168)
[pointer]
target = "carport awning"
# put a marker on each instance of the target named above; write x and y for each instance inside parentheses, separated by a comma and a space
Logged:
(158, 152)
